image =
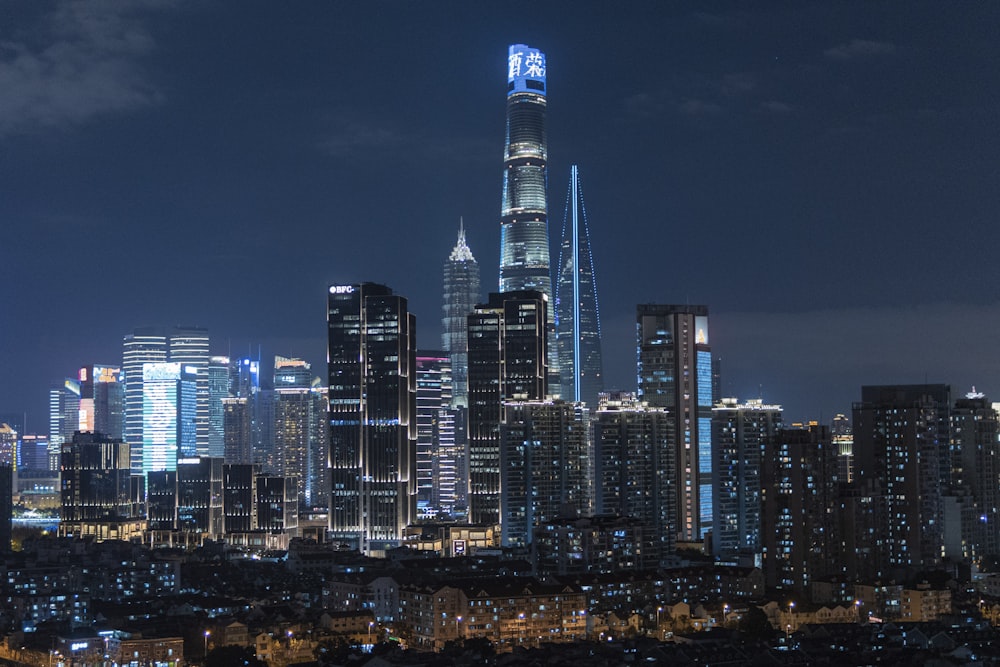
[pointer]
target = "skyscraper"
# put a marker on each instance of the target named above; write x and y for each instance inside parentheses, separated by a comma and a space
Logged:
(218, 389)
(740, 431)
(976, 471)
(64, 413)
(674, 369)
(294, 422)
(169, 394)
(372, 404)
(437, 457)
(189, 347)
(507, 362)
(524, 230)
(578, 324)
(142, 346)
(461, 294)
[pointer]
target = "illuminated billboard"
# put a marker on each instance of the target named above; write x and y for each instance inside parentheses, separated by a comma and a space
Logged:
(525, 70)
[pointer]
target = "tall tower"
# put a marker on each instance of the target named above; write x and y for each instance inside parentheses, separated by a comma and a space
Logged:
(218, 389)
(524, 229)
(373, 425)
(740, 431)
(142, 346)
(102, 397)
(578, 324)
(189, 347)
(461, 294)
(437, 460)
(294, 422)
(507, 352)
(169, 399)
(674, 369)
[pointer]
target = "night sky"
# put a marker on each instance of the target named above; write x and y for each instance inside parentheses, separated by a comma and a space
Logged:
(824, 176)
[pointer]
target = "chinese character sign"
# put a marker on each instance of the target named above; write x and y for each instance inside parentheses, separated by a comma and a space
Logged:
(525, 69)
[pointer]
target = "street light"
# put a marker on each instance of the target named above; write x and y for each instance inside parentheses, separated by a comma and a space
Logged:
(370, 625)
(788, 627)
(725, 614)
(658, 610)
(207, 633)
(458, 628)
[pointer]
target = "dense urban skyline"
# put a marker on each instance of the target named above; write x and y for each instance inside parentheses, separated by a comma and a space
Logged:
(822, 177)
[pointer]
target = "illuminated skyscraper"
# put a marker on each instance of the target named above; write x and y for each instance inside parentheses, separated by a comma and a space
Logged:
(507, 352)
(64, 413)
(372, 412)
(674, 369)
(578, 323)
(102, 398)
(438, 459)
(740, 432)
(189, 347)
(524, 230)
(218, 389)
(169, 393)
(143, 346)
(461, 294)
(294, 422)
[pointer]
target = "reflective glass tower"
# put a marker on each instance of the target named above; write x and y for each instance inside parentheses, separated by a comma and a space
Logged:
(461, 294)
(524, 231)
(578, 324)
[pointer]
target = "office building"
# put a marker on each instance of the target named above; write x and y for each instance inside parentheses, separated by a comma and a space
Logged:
(578, 323)
(64, 413)
(169, 413)
(294, 422)
(199, 498)
(372, 412)
(674, 369)
(277, 505)
(218, 390)
(634, 471)
(9, 441)
(102, 400)
(547, 466)
(239, 497)
(6, 508)
(461, 294)
(740, 431)
(146, 345)
(236, 426)
(189, 347)
(507, 362)
(901, 436)
(524, 229)
(96, 489)
(437, 457)
(800, 522)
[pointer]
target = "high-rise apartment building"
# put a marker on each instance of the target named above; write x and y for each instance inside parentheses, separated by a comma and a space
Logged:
(142, 346)
(547, 466)
(524, 229)
(975, 483)
(6, 508)
(740, 432)
(372, 412)
(578, 324)
(843, 438)
(674, 369)
(634, 471)
(800, 522)
(189, 347)
(900, 439)
(461, 294)
(507, 362)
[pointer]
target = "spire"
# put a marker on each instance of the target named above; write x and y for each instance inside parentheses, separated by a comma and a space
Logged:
(461, 251)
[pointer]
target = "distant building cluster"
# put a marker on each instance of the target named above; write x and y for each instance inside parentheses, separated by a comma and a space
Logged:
(654, 509)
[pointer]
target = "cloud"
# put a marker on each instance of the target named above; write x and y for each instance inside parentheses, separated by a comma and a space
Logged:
(360, 139)
(860, 48)
(696, 107)
(79, 62)
(775, 107)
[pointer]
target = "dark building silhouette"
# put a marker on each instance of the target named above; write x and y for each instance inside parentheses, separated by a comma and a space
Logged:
(507, 353)
(372, 412)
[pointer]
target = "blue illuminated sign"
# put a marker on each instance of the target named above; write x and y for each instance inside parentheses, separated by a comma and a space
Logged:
(525, 70)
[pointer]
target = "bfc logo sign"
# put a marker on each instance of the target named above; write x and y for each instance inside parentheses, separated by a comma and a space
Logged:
(341, 289)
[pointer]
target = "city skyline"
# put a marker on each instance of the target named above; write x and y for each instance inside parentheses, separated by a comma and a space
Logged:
(796, 179)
